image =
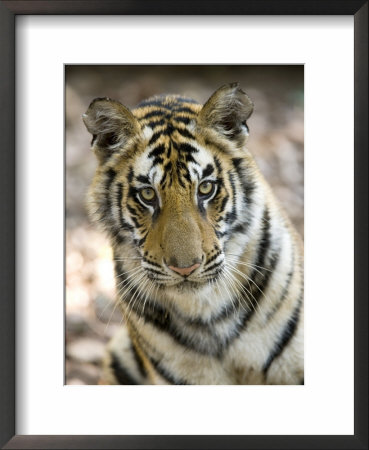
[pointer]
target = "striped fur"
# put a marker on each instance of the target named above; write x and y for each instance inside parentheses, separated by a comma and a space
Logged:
(237, 318)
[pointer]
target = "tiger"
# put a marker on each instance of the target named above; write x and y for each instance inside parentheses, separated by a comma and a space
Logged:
(208, 267)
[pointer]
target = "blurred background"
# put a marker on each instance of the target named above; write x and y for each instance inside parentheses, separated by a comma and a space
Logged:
(276, 140)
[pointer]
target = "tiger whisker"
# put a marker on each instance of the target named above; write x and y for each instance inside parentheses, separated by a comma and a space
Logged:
(128, 271)
(230, 296)
(126, 281)
(151, 287)
(136, 296)
(110, 317)
(248, 279)
(231, 280)
(252, 265)
(141, 282)
(128, 288)
(235, 263)
(131, 275)
(244, 289)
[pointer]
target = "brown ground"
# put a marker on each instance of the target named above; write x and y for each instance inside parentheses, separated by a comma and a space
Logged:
(276, 140)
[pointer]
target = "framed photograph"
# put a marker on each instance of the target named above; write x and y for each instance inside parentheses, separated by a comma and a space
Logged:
(275, 133)
(291, 81)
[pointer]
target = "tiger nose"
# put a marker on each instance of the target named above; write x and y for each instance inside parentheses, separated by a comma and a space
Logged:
(185, 271)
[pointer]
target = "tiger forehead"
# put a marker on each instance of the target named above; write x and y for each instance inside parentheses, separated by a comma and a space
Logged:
(171, 141)
(166, 114)
(166, 107)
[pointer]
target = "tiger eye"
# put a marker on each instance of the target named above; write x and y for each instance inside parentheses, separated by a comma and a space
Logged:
(206, 188)
(147, 194)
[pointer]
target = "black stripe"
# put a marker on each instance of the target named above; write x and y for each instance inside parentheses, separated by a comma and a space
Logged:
(218, 165)
(185, 109)
(123, 223)
(158, 151)
(185, 120)
(223, 204)
(143, 179)
(155, 137)
(264, 242)
(157, 161)
(168, 167)
(247, 315)
(247, 183)
(185, 147)
(230, 217)
(120, 372)
(132, 210)
(169, 152)
(152, 263)
(155, 113)
(209, 169)
(138, 360)
(212, 258)
(165, 374)
(239, 228)
(285, 337)
(187, 176)
(214, 266)
(285, 291)
(130, 174)
(189, 158)
(136, 222)
(140, 242)
(233, 186)
(262, 277)
(155, 123)
(169, 129)
(185, 133)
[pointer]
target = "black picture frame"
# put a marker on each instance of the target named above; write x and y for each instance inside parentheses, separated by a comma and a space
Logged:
(8, 11)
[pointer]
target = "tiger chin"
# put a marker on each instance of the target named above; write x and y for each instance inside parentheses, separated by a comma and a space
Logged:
(209, 270)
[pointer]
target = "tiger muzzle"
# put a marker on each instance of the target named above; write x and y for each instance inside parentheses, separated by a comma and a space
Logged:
(181, 242)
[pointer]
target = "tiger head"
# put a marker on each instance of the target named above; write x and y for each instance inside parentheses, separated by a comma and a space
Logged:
(173, 181)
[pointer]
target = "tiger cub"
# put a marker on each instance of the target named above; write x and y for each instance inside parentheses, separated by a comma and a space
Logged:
(209, 270)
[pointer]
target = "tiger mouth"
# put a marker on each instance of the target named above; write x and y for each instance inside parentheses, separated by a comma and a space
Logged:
(187, 286)
(187, 283)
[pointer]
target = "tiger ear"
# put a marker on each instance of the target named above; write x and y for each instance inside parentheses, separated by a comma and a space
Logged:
(227, 111)
(111, 125)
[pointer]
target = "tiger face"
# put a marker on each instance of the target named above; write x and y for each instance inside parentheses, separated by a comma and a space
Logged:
(173, 181)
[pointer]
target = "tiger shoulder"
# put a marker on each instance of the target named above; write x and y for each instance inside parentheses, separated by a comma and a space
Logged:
(208, 267)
